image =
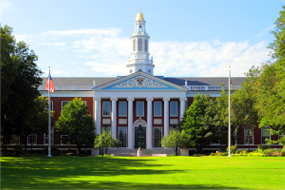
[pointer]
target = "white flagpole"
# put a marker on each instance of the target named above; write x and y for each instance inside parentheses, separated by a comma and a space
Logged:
(229, 87)
(49, 122)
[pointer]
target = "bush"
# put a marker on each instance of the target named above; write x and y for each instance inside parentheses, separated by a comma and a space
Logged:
(243, 153)
(263, 147)
(256, 154)
(171, 155)
(19, 150)
(233, 149)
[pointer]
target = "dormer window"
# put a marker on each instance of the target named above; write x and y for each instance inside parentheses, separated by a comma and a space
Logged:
(140, 69)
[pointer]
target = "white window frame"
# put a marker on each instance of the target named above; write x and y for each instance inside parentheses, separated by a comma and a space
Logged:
(103, 108)
(61, 140)
(52, 137)
(252, 136)
(120, 108)
(14, 137)
(126, 135)
(64, 105)
(160, 136)
(34, 134)
(176, 110)
(145, 45)
(262, 129)
(138, 107)
(154, 114)
(140, 45)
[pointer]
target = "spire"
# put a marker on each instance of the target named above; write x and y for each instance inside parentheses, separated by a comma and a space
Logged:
(139, 59)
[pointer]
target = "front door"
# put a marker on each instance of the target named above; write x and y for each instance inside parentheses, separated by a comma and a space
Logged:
(140, 134)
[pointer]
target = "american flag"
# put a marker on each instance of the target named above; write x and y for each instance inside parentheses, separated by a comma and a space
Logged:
(51, 85)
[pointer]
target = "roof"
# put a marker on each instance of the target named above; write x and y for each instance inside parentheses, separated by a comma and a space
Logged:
(88, 81)
(205, 80)
(61, 81)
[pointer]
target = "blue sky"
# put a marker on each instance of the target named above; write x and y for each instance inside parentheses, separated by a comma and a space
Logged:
(89, 38)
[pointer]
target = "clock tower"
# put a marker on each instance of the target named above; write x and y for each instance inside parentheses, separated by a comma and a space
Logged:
(140, 60)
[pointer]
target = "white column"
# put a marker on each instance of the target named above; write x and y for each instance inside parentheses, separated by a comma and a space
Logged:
(114, 117)
(130, 124)
(166, 116)
(97, 115)
(149, 123)
(182, 107)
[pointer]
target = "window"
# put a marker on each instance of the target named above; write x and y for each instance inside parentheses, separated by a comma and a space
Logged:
(134, 45)
(140, 44)
(63, 103)
(157, 134)
(51, 105)
(122, 108)
(265, 134)
(145, 45)
(46, 137)
(32, 139)
(157, 108)
(64, 140)
(106, 108)
(248, 136)
(173, 108)
(140, 109)
(15, 139)
(123, 136)
(107, 129)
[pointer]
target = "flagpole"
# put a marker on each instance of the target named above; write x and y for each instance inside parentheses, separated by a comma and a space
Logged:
(229, 87)
(49, 122)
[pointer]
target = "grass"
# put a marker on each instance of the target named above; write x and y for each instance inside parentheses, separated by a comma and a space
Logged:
(143, 173)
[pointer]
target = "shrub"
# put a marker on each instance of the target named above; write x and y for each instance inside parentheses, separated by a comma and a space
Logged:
(233, 149)
(19, 150)
(243, 153)
(256, 154)
(263, 147)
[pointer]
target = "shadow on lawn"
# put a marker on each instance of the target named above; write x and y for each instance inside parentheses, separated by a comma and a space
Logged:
(64, 173)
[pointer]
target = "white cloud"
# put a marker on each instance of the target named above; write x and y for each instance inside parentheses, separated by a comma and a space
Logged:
(105, 53)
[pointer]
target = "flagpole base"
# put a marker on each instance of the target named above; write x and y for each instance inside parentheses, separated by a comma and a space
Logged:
(229, 155)
(49, 156)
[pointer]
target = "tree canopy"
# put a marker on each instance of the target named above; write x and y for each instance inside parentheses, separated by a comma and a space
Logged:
(20, 78)
(200, 123)
(76, 122)
(106, 141)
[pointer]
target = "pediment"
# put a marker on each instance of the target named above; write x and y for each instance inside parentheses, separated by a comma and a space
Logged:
(140, 81)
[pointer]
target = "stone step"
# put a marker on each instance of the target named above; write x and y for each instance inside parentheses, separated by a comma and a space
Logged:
(133, 152)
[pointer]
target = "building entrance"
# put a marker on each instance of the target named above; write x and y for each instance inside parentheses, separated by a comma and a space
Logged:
(140, 137)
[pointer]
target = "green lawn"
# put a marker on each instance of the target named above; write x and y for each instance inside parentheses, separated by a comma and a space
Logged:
(143, 173)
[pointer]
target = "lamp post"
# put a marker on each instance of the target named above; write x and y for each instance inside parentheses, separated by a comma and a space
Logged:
(229, 87)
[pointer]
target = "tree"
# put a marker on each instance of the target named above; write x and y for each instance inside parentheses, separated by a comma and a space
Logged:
(104, 141)
(38, 119)
(20, 78)
(201, 122)
(175, 140)
(77, 124)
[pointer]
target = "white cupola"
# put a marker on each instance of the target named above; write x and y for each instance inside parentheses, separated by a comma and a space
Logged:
(139, 60)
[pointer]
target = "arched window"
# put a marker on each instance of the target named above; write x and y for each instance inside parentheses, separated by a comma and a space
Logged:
(145, 45)
(140, 44)
(134, 45)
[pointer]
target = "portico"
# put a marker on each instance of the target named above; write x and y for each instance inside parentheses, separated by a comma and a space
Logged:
(139, 99)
